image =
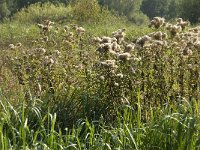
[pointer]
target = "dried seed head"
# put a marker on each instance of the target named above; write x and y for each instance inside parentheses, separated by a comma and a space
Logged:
(106, 39)
(112, 52)
(97, 40)
(197, 44)
(142, 40)
(66, 27)
(108, 64)
(12, 46)
(51, 61)
(57, 52)
(116, 84)
(19, 44)
(41, 26)
(187, 51)
(104, 48)
(115, 47)
(102, 78)
(80, 30)
(157, 22)
(124, 56)
(119, 75)
(129, 48)
(40, 51)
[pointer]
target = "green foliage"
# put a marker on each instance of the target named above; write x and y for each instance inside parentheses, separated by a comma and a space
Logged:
(128, 8)
(25, 3)
(154, 8)
(190, 10)
(167, 129)
(81, 11)
(172, 8)
(123, 7)
(36, 13)
(4, 11)
(139, 18)
(86, 10)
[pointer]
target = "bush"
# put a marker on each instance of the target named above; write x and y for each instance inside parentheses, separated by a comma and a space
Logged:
(86, 10)
(139, 18)
(4, 12)
(39, 12)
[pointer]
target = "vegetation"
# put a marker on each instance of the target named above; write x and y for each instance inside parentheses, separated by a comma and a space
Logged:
(136, 11)
(98, 81)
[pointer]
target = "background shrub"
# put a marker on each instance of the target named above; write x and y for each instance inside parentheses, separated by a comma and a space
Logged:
(86, 10)
(38, 12)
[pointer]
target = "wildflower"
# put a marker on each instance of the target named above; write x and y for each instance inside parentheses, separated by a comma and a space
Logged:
(34, 42)
(158, 35)
(45, 28)
(116, 84)
(79, 30)
(48, 22)
(97, 40)
(114, 39)
(197, 44)
(46, 58)
(120, 75)
(142, 40)
(11, 46)
(124, 56)
(41, 26)
(102, 77)
(190, 66)
(57, 52)
(137, 58)
(129, 47)
(51, 61)
(106, 47)
(19, 44)
(108, 64)
(159, 43)
(46, 39)
(174, 29)
(66, 27)
(186, 51)
(106, 39)
(115, 47)
(182, 23)
(157, 22)
(112, 52)
(119, 35)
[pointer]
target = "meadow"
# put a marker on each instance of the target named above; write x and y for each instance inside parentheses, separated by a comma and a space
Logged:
(98, 82)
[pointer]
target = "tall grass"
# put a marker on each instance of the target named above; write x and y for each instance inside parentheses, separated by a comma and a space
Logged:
(166, 129)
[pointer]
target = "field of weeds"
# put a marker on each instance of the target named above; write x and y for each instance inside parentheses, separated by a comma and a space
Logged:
(75, 87)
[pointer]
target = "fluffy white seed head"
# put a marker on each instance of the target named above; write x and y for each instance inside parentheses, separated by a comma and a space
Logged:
(124, 56)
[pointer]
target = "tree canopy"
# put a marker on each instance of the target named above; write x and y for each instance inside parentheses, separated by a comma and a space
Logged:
(188, 9)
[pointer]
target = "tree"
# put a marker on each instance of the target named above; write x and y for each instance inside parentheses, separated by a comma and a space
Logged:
(4, 11)
(128, 8)
(123, 7)
(189, 9)
(154, 8)
(173, 9)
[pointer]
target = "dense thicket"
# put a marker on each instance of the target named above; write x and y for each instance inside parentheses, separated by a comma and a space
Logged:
(133, 9)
